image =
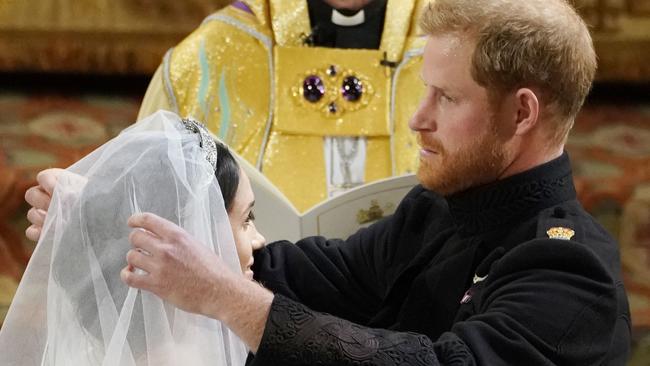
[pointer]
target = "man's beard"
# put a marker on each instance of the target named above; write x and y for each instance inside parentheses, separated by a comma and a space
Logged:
(475, 163)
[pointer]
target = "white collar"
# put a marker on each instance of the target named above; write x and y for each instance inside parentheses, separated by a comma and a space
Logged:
(348, 21)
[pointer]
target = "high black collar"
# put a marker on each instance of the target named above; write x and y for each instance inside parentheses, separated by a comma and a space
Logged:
(326, 34)
(513, 199)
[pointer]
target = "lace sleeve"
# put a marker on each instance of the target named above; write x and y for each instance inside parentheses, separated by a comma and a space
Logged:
(296, 335)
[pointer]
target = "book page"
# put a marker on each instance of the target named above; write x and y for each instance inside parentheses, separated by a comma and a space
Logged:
(343, 215)
(337, 217)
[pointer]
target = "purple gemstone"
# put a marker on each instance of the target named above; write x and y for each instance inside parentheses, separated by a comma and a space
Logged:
(332, 107)
(352, 89)
(313, 88)
(242, 6)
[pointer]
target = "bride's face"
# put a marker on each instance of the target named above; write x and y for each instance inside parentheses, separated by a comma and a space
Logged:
(241, 218)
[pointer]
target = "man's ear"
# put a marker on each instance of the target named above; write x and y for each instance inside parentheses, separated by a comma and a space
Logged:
(527, 107)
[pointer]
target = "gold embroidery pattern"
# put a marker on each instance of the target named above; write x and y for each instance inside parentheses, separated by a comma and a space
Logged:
(560, 233)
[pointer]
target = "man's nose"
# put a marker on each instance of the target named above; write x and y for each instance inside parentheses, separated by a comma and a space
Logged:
(422, 119)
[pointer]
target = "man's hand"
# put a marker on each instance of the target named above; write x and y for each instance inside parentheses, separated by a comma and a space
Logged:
(178, 268)
(39, 198)
(191, 276)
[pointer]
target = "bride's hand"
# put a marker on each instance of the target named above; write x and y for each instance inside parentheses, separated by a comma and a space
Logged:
(39, 198)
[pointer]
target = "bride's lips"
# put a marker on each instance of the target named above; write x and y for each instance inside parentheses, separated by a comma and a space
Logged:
(249, 274)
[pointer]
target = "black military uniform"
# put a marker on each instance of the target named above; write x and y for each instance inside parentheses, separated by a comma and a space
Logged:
(512, 273)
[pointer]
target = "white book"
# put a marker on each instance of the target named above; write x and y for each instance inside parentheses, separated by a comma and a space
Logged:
(337, 217)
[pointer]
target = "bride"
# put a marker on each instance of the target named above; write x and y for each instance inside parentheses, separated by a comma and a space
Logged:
(71, 307)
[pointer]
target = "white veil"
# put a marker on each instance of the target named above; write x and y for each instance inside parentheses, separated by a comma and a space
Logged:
(71, 307)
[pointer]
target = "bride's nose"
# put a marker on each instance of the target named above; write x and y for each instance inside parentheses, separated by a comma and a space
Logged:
(258, 241)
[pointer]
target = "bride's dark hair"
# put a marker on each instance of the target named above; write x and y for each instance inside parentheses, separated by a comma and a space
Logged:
(227, 174)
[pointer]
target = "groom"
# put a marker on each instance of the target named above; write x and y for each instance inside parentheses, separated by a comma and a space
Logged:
(491, 260)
